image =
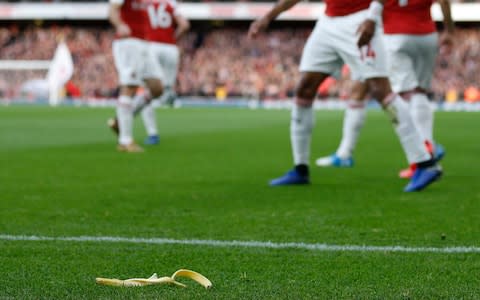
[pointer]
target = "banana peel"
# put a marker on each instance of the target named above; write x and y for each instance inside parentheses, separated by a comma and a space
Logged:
(154, 279)
(195, 276)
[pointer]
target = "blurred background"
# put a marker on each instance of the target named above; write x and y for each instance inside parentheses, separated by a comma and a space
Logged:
(218, 62)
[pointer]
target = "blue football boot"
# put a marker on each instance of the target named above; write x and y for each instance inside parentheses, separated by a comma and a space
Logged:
(291, 178)
(152, 140)
(423, 177)
(439, 152)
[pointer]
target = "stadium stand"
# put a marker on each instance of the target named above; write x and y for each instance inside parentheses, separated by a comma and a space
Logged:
(240, 68)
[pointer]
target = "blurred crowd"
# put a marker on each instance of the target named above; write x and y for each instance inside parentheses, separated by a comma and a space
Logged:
(219, 63)
(90, 47)
(226, 62)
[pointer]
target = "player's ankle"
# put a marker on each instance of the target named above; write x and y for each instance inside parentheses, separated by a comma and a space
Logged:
(426, 164)
(302, 169)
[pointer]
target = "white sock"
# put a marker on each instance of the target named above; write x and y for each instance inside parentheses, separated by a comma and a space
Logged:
(422, 114)
(125, 119)
(139, 102)
(301, 125)
(411, 140)
(149, 119)
(353, 121)
(168, 96)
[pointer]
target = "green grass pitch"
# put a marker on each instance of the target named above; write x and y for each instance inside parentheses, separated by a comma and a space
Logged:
(60, 175)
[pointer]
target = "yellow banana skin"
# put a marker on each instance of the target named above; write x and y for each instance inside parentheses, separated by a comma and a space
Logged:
(199, 278)
(154, 279)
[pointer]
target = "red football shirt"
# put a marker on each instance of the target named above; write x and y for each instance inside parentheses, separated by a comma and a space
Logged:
(408, 17)
(133, 13)
(338, 8)
(160, 27)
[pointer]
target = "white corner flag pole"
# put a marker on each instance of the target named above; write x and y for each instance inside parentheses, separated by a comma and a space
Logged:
(60, 71)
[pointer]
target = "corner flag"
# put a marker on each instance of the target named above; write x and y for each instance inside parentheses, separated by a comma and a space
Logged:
(59, 72)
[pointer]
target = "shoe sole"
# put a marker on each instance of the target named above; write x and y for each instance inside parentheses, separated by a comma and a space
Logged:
(289, 184)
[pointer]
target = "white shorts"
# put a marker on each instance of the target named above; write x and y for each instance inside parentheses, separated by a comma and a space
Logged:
(337, 74)
(167, 57)
(134, 62)
(334, 41)
(411, 60)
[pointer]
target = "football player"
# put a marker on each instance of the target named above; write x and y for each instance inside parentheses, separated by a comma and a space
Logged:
(342, 35)
(135, 66)
(411, 42)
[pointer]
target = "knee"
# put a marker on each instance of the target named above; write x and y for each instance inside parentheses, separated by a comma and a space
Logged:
(156, 88)
(379, 88)
(359, 92)
(305, 94)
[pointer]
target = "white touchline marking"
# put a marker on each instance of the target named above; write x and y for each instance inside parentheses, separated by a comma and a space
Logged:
(244, 244)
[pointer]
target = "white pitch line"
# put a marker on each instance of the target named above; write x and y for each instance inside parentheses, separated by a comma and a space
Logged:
(244, 244)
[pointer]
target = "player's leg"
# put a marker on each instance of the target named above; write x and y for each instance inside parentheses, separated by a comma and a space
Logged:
(141, 100)
(153, 80)
(423, 57)
(301, 126)
(167, 57)
(400, 67)
(427, 170)
(150, 123)
(422, 115)
(125, 57)
(148, 112)
(408, 59)
(422, 112)
(370, 61)
(353, 121)
(124, 120)
(318, 60)
(152, 75)
(420, 105)
(169, 61)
